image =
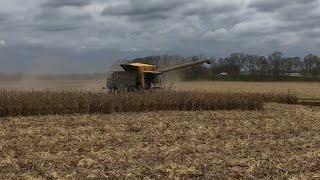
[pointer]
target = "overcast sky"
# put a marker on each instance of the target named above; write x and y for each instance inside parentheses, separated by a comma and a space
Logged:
(88, 35)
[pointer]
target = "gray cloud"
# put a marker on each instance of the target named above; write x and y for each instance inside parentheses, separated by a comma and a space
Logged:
(300, 12)
(150, 17)
(53, 28)
(268, 6)
(140, 10)
(65, 3)
(55, 20)
(274, 5)
(205, 10)
(93, 29)
(4, 17)
(142, 7)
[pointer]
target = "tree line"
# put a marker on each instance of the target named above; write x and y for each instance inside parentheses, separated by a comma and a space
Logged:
(273, 67)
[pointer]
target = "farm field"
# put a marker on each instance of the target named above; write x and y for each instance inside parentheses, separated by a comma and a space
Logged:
(280, 141)
(301, 89)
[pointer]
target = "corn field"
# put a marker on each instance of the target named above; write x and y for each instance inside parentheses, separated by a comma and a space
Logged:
(29, 103)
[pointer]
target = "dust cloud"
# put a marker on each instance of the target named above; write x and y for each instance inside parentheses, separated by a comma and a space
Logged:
(49, 73)
(54, 82)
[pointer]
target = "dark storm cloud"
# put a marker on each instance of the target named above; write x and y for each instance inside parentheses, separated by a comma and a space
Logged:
(186, 27)
(301, 12)
(142, 7)
(57, 28)
(273, 5)
(294, 16)
(64, 3)
(49, 14)
(150, 17)
(55, 20)
(226, 8)
(269, 5)
(299, 16)
(4, 17)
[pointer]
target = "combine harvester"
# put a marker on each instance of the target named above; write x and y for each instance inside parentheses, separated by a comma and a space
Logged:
(139, 76)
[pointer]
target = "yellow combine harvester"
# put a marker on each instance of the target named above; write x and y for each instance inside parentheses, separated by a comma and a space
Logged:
(139, 76)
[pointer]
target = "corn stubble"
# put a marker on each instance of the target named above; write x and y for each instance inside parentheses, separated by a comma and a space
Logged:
(28, 103)
(280, 142)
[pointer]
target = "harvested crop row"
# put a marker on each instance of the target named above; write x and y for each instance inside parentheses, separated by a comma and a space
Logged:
(280, 142)
(27, 103)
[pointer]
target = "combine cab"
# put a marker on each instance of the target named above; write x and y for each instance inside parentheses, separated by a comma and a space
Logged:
(138, 76)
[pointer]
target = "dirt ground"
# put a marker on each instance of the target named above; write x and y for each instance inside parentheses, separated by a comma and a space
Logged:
(280, 142)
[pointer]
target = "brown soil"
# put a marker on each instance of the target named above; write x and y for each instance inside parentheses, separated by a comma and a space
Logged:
(280, 142)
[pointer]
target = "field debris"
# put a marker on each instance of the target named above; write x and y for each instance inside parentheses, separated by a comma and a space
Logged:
(280, 142)
(28, 103)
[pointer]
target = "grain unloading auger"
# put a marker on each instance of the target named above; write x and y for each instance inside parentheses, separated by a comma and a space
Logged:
(139, 76)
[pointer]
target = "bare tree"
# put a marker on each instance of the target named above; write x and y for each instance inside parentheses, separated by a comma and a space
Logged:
(310, 63)
(275, 63)
(262, 66)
